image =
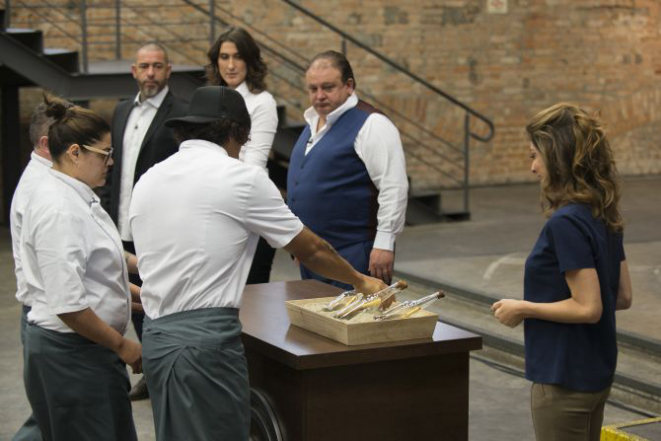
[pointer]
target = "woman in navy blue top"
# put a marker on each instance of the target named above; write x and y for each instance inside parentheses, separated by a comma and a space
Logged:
(576, 276)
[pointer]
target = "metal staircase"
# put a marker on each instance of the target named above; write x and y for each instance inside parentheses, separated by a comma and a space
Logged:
(448, 155)
(443, 149)
(25, 62)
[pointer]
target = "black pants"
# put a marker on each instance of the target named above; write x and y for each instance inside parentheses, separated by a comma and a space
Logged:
(136, 317)
(260, 270)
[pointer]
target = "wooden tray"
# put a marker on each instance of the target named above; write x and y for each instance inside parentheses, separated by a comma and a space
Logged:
(419, 325)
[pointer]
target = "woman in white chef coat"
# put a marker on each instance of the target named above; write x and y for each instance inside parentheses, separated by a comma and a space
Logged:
(75, 351)
(235, 61)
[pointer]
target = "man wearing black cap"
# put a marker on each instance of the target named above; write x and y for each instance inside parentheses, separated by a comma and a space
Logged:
(140, 140)
(196, 219)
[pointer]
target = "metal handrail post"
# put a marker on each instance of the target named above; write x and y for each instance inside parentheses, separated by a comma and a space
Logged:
(212, 22)
(83, 24)
(7, 14)
(467, 137)
(399, 68)
(118, 30)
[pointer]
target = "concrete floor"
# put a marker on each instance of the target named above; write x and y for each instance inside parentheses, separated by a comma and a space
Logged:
(495, 396)
(487, 254)
(484, 254)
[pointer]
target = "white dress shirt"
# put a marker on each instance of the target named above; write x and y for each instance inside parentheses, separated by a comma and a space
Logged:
(379, 146)
(263, 125)
(32, 176)
(196, 218)
(141, 116)
(72, 256)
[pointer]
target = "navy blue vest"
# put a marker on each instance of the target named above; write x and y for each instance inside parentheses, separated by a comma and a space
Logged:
(329, 189)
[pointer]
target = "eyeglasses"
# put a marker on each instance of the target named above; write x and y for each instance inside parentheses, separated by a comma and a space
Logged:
(106, 153)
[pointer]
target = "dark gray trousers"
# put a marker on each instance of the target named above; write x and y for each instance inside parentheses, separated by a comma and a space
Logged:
(78, 390)
(29, 431)
(197, 375)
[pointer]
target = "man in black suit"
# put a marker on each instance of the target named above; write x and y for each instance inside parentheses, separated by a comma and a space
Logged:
(140, 140)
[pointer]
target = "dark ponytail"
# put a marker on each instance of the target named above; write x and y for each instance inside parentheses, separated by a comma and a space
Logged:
(72, 125)
(40, 122)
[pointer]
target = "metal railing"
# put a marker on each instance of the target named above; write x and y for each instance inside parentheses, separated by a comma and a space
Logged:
(120, 24)
(462, 147)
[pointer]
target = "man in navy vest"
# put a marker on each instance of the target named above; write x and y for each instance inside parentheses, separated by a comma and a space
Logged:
(347, 175)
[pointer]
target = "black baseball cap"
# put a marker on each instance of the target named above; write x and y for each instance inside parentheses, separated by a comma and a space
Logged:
(212, 103)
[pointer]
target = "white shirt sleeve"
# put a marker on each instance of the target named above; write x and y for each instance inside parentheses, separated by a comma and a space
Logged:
(264, 123)
(267, 214)
(379, 146)
(60, 246)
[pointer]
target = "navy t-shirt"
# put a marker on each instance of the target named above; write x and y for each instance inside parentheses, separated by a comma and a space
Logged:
(580, 357)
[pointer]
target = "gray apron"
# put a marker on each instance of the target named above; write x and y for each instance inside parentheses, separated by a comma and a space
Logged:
(29, 431)
(78, 389)
(197, 375)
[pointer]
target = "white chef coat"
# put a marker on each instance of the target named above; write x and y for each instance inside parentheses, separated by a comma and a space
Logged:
(379, 146)
(72, 256)
(263, 125)
(141, 116)
(195, 219)
(32, 176)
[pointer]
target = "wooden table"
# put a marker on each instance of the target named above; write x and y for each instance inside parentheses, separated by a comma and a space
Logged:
(324, 390)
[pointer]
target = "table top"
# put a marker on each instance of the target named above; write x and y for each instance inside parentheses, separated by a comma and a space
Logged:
(267, 330)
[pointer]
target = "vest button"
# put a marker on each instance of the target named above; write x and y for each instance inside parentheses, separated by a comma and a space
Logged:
(296, 182)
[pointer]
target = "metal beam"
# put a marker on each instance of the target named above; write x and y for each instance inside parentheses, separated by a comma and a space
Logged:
(33, 66)
(42, 72)
(11, 165)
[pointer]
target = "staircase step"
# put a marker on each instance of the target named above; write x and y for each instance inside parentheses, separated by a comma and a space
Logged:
(419, 213)
(32, 38)
(10, 78)
(66, 59)
(456, 216)
(284, 140)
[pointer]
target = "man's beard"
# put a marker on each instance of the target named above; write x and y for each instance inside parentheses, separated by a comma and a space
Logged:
(149, 91)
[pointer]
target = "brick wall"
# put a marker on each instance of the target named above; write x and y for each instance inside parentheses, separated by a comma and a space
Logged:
(602, 54)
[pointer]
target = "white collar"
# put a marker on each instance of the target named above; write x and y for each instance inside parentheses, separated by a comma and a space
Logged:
(81, 188)
(154, 101)
(40, 159)
(200, 143)
(243, 90)
(312, 117)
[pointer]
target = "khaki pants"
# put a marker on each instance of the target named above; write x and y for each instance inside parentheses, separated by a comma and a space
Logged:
(560, 414)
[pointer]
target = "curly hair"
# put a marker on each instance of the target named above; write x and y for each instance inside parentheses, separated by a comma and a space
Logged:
(579, 162)
(219, 132)
(249, 51)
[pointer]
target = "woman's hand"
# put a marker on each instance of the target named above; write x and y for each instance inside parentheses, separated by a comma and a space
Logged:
(508, 312)
(131, 353)
(90, 326)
